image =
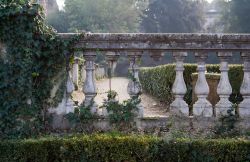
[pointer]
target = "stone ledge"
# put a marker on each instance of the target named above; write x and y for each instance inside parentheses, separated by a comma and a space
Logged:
(162, 41)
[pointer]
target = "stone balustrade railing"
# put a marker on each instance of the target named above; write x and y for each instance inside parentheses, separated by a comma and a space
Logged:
(136, 45)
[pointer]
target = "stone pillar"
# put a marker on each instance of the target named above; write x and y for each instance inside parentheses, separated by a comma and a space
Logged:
(134, 86)
(83, 72)
(202, 106)
(89, 87)
(75, 72)
(179, 88)
(224, 88)
(69, 89)
(111, 58)
(244, 106)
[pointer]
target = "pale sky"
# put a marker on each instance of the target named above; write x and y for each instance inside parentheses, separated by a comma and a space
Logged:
(61, 3)
(209, 1)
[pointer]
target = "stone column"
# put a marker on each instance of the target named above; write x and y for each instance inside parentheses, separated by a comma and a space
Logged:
(69, 89)
(89, 87)
(202, 106)
(75, 72)
(224, 88)
(83, 72)
(134, 86)
(244, 106)
(111, 58)
(179, 88)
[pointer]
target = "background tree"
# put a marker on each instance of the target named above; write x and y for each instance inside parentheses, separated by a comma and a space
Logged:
(99, 16)
(173, 16)
(239, 19)
(234, 16)
(59, 20)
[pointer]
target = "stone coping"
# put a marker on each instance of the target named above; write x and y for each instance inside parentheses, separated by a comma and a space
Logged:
(118, 42)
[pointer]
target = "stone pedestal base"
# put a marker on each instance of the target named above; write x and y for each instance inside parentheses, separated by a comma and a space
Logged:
(69, 106)
(244, 110)
(203, 107)
(222, 107)
(140, 111)
(221, 111)
(179, 107)
(103, 112)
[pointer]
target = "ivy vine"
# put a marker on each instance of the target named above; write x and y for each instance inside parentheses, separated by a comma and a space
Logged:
(121, 113)
(34, 59)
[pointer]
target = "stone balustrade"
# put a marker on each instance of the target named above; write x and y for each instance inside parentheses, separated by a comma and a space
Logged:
(136, 45)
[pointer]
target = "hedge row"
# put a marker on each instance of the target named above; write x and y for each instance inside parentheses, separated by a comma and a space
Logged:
(158, 81)
(123, 148)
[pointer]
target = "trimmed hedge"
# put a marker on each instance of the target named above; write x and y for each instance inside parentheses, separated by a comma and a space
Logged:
(124, 148)
(158, 81)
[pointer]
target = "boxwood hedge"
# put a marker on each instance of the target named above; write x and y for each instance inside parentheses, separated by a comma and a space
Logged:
(158, 81)
(124, 148)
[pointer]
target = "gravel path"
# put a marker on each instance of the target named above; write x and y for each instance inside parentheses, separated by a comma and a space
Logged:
(152, 107)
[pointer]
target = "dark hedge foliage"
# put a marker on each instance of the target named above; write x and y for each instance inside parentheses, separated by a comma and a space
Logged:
(124, 148)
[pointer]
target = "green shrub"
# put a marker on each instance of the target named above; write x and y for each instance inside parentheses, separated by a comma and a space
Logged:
(124, 148)
(158, 81)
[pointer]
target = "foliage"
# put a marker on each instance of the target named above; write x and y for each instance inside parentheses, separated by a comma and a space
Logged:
(234, 16)
(226, 126)
(99, 16)
(121, 113)
(158, 81)
(173, 16)
(124, 148)
(35, 59)
(59, 21)
(82, 117)
(238, 16)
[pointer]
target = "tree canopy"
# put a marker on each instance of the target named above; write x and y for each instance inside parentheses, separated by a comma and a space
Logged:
(234, 16)
(239, 19)
(129, 16)
(100, 15)
(173, 16)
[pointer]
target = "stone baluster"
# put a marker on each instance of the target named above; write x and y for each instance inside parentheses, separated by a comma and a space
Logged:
(224, 88)
(75, 72)
(244, 106)
(134, 86)
(202, 106)
(179, 88)
(89, 88)
(111, 58)
(83, 72)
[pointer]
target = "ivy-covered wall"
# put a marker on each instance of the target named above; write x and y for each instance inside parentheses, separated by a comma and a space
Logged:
(35, 55)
